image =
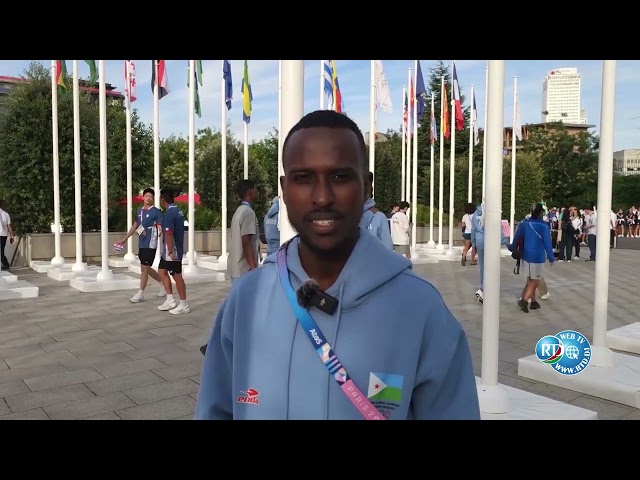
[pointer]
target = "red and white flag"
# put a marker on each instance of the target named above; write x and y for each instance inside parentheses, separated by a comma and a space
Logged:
(130, 80)
(163, 79)
(457, 100)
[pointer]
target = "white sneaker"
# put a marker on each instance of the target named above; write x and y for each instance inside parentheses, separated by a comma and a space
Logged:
(180, 309)
(168, 305)
(545, 296)
(137, 298)
(162, 293)
(480, 296)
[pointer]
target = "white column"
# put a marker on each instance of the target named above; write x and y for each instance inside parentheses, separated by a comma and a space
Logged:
(246, 150)
(493, 398)
(471, 124)
(452, 167)
(484, 133)
(414, 169)
(156, 143)
(322, 96)
(602, 355)
(372, 121)
(292, 112)
(79, 266)
(410, 128)
(191, 267)
(105, 273)
(440, 246)
(129, 255)
(512, 212)
(57, 260)
(431, 175)
(280, 137)
(222, 259)
(403, 178)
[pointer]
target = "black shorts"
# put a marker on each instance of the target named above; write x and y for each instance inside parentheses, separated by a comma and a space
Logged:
(174, 268)
(146, 256)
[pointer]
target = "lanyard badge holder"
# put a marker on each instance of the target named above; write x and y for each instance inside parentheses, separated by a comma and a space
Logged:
(321, 346)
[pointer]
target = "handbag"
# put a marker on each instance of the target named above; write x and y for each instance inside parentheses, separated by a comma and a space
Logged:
(321, 346)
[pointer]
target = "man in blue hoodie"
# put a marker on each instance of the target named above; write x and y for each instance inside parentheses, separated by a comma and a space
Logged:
(272, 227)
(374, 220)
(399, 352)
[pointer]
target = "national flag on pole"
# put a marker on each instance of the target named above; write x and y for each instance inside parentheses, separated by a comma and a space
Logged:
(433, 130)
(93, 71)
(328, 81)
(61, 77)
(457, 99)
(412, 97)
(474, 116)
(197, 75)
(421, 92)
(405, 115)
(338, 106)
(163, 79)
(228, 83)
(247, 95)
(444, 106)
(517, 126)
(383, 93)
(130, 89)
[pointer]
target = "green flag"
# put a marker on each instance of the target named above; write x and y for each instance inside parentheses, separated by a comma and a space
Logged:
(93, 71)
(198, 76)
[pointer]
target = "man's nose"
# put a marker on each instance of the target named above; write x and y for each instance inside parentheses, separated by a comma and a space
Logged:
(322, 194)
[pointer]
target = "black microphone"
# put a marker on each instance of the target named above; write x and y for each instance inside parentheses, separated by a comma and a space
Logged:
(310, 295)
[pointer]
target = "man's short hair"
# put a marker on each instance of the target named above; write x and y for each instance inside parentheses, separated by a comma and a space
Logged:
(404, 204)
(244, 186)
(148, 190)
(167, 195)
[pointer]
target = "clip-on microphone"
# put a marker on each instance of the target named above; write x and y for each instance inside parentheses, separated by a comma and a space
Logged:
(310, 295)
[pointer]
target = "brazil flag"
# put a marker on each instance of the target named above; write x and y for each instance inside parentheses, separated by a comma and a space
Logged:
(385, 387)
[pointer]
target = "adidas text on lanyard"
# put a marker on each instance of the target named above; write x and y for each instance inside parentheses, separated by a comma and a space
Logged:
(321, 346)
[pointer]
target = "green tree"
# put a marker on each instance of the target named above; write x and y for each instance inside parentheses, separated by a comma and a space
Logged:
(529, 184)
(265, 152)
(569, 163)
(26, 152)
(174, 158)
(626, 191)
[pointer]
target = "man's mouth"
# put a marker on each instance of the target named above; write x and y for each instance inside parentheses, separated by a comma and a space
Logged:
(323, 223)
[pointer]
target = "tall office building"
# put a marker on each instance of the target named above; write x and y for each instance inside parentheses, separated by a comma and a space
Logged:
(561, 97)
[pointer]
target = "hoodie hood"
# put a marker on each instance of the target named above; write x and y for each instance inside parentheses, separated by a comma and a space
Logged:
(360, 276)
(479, 210)
(368, 204)
(275, 208)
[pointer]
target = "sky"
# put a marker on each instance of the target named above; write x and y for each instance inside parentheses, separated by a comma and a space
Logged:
(354, 78)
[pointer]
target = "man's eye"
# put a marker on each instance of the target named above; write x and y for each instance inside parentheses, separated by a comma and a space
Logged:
(301, 178)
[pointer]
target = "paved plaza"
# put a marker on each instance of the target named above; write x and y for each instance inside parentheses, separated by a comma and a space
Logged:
(72, 355)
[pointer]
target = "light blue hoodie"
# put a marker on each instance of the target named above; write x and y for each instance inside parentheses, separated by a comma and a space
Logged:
(477, 230)
(389, 321)
(376, 223)
(271, 231)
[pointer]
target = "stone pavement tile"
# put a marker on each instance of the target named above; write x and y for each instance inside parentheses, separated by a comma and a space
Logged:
(11, 375)
(168, 409)
(65, 337)
(53, 396)
(186, 417)
(103, 416)
(4, 408)
(175, 330)
(31, 329)
(153, 351)
(194, 344)
(5, 337)
(195, 378)
(606, 410)
(133, 366)
(34, 414)
(62, 328)
(161, 391)
(88, 407)
(41, 340)
(96, 361)
(557, 393)
(32, 360)
(181, 371)
(72, 344)
(62, 379)
(131, 328)
(150, 340)
(175, 359)
(512, 355)
(104, 349)
(123, 382)
(519, 383)
(16, 352)
(633, 415)
(16, 387)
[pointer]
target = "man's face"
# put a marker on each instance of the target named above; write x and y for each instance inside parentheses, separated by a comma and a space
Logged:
(395, 209)
(253, 195)
(323, 186)
(148, 199)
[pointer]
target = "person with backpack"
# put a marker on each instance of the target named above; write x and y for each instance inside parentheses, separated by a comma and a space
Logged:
(536, 238)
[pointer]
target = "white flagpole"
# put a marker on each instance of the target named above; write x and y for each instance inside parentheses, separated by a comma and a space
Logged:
(513, 157)
(156, 140)
(129, 255)
(105, 273)
(440, 246)
(246, 150)
(191, 268)
(431, 175)
(79, 266)
(452, 162)
(414, 173)
(471, 124)
(602, 355)
(322, 96)
(57, 261)
(222, 259)
(280, 137)
(492, 397)
(292, 112)
(410, 128)
(484, 133)
(404, 147)
(372, 120)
